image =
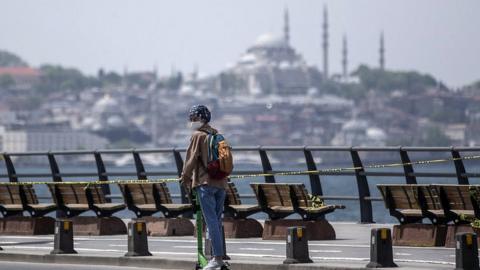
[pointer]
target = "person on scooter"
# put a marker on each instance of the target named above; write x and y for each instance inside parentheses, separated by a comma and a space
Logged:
(210, 192)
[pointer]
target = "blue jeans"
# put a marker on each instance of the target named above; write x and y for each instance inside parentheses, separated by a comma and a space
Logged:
(211, 200)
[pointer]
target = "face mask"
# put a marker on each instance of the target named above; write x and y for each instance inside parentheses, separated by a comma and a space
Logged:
(196, 125)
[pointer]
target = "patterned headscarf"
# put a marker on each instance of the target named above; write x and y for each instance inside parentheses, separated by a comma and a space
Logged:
(200, 111)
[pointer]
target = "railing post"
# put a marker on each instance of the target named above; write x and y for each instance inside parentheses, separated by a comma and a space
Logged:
(407, 167)
(54, 168)
(459, 168)
(267, 167)
(102, 174)
(179, 163)
(315, 183)
(12, 174)
(141, 175)
(363, 189)
(55, 177)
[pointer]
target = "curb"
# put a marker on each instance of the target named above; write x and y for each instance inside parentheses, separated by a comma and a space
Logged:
(153, 262)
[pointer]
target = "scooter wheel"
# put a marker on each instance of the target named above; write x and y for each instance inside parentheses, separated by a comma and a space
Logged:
(198, 267)
(225, 267)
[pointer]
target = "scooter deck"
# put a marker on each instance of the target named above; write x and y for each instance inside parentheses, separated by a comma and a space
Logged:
(202, 261)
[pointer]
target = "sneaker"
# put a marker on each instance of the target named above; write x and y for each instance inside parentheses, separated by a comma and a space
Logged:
(214, 265)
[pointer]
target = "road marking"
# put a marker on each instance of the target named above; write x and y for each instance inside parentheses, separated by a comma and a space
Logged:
(402, 254)
(263, 249)
(425, 261)
(117, 245)
(326, 251)
(185, 246)
(340, 259)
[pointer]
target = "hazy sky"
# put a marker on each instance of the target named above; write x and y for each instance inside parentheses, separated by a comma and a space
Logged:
(441, 37)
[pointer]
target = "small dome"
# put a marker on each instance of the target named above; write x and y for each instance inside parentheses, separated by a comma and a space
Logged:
(248, 58)
(106, 104)
(270, 41)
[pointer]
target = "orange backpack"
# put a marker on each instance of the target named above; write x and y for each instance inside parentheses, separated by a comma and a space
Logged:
(220, 159)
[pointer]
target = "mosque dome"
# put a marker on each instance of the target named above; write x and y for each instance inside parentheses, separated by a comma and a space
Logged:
(270, 41)
(106, 104)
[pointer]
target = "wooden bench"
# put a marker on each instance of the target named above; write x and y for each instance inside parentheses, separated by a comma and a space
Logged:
(149, 198)
(16, 199)
(75, 199)
(282, 200)
(233, 204)
(458, 200)
(11, 203)
(412, 203)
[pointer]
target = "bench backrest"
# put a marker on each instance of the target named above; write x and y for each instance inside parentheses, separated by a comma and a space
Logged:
(146, 193)
(432, 197)
(400, 196)
(10, 194)
(30, 195)
(458, 197)
(301, 195)
(273, 194)
(138, 193)
(232, 195)
(164, 192)
(77, 194)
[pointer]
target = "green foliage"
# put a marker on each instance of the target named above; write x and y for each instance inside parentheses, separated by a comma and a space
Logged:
(109, 78)
(387, 81)
(57, 78)
(6, 81)
(11, 60)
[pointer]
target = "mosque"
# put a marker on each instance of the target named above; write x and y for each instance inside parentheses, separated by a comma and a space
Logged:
(270, 66)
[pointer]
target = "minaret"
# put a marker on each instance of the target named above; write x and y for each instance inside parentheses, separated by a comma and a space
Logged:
(325, 42)
(382, 52)
(286, 27)
(345, 58)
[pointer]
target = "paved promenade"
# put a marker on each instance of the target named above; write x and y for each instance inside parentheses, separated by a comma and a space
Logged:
(349, 251)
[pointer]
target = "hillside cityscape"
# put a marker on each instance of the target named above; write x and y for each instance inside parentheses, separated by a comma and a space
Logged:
(271, 95)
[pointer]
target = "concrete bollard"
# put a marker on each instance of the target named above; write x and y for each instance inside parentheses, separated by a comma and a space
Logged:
(381, 253)
(466, 251)
(137, 239)
(63, 239)
(297, 246)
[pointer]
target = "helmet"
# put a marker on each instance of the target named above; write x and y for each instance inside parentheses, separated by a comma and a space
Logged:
(200, 111)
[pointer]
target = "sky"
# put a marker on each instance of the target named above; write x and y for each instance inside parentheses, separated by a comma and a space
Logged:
(439, 37)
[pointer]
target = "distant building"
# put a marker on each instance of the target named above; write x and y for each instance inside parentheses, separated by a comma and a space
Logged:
(24, 77)
(47, 138)
(270, 66)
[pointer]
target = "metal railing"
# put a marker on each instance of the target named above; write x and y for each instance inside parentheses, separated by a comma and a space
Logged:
(364, 198)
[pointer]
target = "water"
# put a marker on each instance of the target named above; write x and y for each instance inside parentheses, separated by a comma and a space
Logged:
(331, 185)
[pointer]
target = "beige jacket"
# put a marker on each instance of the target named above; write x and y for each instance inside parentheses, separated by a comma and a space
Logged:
(194, 169)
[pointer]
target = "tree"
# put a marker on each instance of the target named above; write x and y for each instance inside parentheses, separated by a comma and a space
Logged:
(58, 78)
(6, 81)
(387, 81)
(8, 59)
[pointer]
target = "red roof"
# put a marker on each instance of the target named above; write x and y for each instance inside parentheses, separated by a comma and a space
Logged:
(19, 71)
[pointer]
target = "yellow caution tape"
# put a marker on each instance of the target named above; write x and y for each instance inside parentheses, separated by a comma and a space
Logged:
(283, 173)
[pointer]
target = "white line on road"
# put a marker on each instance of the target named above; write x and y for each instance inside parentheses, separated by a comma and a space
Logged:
(262, 249)
(402, 254)
(326, 251)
